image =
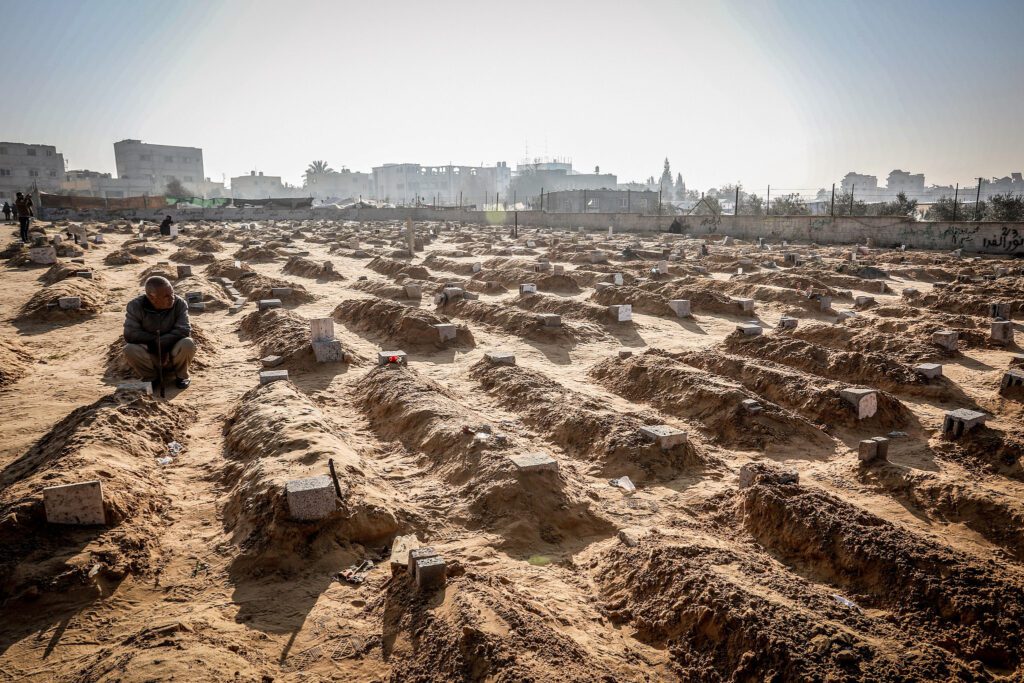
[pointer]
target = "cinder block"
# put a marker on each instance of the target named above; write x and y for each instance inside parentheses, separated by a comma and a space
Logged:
(265, 304)
(598, 257)
(321, 329)
(446, 331)
(311, 498)
(136, 385)
(500, 357)
(268, 376)
(184, 272)
(617, 279)
(197, 306)
(43, 256)
(413, 291)
(419, 554)
(280, 292)
(391, 358)
(787, 323)
(622, 313)
(625, 353)
(666, 436)
(400, 549)
(431, 573)
(80, 503)
(84, 274)
(534, 462)
(328, 351)
(864, 300)
(69, 303)
(947, 339)
(1012, 382)
(825, 302)
(746, 305)
(751, 406)
(681, 307)
(960, 421)
(750, 329)
(527, 288)
(558, 270)
(1002, 332)
(549, 319)
(271, 361)
(601, 286)
(864, 401)
(929, 370)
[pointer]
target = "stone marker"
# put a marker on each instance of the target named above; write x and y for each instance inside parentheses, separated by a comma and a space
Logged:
(500, 357)
(751, 406)
(419, 554)
(870, 450)
(622, 313)
(328, 351)
(1000, 310)
(864, 401)
(787, 323)
(266, 304)
(665, 436)
(864, 300)
(928, 370)
(825, 303)
(527, 288)
(431, 573)
(69, 303)
(446, 331)
(391, 358)
(549, 319)
(184, 271)
(1002, 332)
(280, 292)
(413, 291)
(960, 421)
(43, 256)
(534, 462)
(135, 385)
(1016, 359)
(947, 339)
(1012, 382)
(268, 376)
(84, 274)
(625, 353)
(197, 306)
(400, 548)
(681, 307)
(598, 257)
(271, 361)
(321, 329)
(80, 503)
(311, 498)
(750, 329)
(617, 279)
(746, 305)
(601, 286)
(558, 270)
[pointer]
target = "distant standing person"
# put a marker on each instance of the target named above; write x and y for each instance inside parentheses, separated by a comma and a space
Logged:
(23, 205)
(7, 211)
(165, 227)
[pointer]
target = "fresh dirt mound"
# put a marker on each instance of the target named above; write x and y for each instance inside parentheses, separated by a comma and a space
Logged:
(873, 369)
(794, 279)
(994, 515)
(714, 402)
(277, 332)
(774, 295)
(729, 615)
(304, 267)
(43, 304)
(480, 631)
(391, 267)
(862, 336)
(115, 440)
(116, 367)
(402, 325)
(165, 271)
(257, 287)
(591, 432)
(642, 300)
(277, 435)
(264, 254)
(986, 450)
(437, 262)
(188, 255)
(213, 295)
(526, 509)
(941, 595)
(386, 290)
(121, 257)
(704, 295)
(522, 324)
(512, 277)
(205, 245)
(227, 268)
(14, 362)
(61, 271)
(813, 397)
(567, 308)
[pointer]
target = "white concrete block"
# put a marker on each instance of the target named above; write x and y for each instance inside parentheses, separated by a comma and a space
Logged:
(500, 357)
(311, 498)
(622, 313)
(666, 436)
(321, 329)
(80, 504)
(681, 307)
(265, 304)
(864, 401)
(391, 357)
(268, 376)
(527, 288)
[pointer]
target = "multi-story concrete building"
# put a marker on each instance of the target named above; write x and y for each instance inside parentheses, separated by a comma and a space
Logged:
(531, 178)
(84, 183)
(911, 184)
(257, 186)
(343, 184)
(601, 201)
(859, 183)
(23, 167)
(159, 164)
(447, 185)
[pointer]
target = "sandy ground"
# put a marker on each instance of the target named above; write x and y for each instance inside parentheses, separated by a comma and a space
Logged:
(908, 569)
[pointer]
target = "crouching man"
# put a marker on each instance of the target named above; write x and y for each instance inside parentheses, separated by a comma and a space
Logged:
(158, 334)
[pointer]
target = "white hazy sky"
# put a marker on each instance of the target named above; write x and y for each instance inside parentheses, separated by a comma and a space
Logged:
(792, 93)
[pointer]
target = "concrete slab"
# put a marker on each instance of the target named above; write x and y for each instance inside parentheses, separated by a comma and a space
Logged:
(265, 304)
(666, 436)
(328, 351)
(321, 329)
(271, 361)
(311, 498)
(549, 319)
(681, 307)
(500, 357)
(136, 386)
(446, 331)
(864, 401)
(79, 504)
(69, 303)
(391, 358)
(534, 462)
(928, 370)
(431, 573)
(400, 549)
(268, 376)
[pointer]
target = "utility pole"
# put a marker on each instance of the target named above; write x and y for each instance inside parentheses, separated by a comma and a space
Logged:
(736, 210)
(584, 201)
(956, 197)
(853, 188)
(542, 199)
(977, 202)
(659, 202)
(767, 203)
(833, 209)
(629, 201)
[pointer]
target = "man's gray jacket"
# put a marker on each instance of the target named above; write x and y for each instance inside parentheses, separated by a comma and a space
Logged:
(144, 324)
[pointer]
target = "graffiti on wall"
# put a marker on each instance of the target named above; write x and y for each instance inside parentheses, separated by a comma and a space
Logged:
(1009, 240)
(959, 235)
(711, 223)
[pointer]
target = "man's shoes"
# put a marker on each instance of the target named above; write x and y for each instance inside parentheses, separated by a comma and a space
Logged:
(182, 382)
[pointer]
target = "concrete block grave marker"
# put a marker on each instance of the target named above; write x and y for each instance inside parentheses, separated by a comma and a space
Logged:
(746, 305)
(280, 292)
(622, 313)
(400, 549)
(960, 421)
(184, 271)
(864, 401)
(1001, 332)
(131, 386)
(787, 323)
(500, 357)
(268, 376)
(311, 498)
(750, 329)
(534, 462)
(947, 339)
(665, 436)
(527, 288)
(69, 303)
(321, 329)
(446, 331)
(391, 358)
(431, 573)
(681, 307)
(271, 361)
(549, 319)
(79, 504)
(871, 450)
(928, 370)
(266, 304)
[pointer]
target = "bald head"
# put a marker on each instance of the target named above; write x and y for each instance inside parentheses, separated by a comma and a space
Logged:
(160, 292)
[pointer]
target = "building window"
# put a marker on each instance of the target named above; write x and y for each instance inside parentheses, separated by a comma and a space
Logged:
(53, 174)
(622, 202)
(49, 152)
(5, 171)
(33, 173)
(31, 152)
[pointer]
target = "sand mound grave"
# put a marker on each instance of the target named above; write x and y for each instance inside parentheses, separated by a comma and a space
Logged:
(398, 324)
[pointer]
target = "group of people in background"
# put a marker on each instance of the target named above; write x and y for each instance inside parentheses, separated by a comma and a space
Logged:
(24, 212)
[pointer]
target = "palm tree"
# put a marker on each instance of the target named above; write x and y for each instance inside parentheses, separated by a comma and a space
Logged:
(316, 168)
